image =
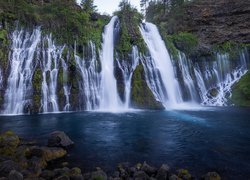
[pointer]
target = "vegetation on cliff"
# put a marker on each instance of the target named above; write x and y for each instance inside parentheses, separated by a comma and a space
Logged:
(66, 20)
(129, 33)
(241, 91)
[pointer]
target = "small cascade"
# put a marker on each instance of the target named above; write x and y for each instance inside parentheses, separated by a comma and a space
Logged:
(110, 100)
(22, 65)
(52, 56)
(66, 88)
(216, 81)
(186, 70)
(128, 69)
(90, 82)
(159, 69)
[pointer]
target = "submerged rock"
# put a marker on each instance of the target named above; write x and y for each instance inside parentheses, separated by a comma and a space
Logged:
(59, 139)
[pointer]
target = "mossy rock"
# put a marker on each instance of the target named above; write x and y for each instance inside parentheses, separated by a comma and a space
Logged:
(241, 91)
(141, 95)
(8, 143)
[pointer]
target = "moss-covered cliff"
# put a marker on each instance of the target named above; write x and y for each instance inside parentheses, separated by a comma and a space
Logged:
(241, 92)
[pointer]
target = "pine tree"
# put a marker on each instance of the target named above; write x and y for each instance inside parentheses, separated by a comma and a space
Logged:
(88, 6)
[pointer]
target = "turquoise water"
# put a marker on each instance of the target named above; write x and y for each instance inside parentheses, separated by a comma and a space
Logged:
(211, 139)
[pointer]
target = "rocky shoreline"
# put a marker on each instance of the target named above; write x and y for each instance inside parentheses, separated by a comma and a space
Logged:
(22, 159)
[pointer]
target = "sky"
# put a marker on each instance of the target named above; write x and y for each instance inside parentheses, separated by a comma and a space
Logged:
(109, 6)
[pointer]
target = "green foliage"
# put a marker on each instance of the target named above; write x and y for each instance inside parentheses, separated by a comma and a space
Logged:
(130, 20)
(88, 6)
(241, 91)
(67, 21)
(186, 42)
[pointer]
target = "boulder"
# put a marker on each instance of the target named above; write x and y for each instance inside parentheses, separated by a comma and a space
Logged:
(15, 175)
(47, 153)
(163, 172)
(141, 175)
(8, 143)
(47, 174)
(59, 139)
(99, 174)
(174, 177)
(7, 166)
(211, 176)
(148, 169)
(184, 174)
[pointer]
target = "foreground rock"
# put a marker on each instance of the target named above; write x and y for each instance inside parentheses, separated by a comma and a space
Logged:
(19, 160)
(59, 139)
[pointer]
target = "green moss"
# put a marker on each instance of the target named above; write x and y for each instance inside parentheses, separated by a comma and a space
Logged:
(241, 91)
(141, 95)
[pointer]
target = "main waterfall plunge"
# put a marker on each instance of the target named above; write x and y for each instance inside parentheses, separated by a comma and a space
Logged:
(45, 76)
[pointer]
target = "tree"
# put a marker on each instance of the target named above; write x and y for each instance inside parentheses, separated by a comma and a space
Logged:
(144, 4)
(88, 6)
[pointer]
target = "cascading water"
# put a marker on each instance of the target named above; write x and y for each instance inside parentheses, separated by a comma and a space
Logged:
(66, 87)
(90, 82)
(110, 100)
(128, 69)
(1, 79)
(159, 68)
(186, 68)
(52, 55)
(218, 78)
(19, 88)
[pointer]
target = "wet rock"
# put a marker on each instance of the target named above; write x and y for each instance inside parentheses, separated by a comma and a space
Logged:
(148, 169)
(211, 176)
(7, 166)
(76, 177)
(47, 153)
(61, 171)
(116, 174)
(8, 143)
(47, 174)
(184, 174)
(174, 177)
(59, 139)
(163, 172)
(141, 175)
(62, 178)
(99, 174)
(15, 175)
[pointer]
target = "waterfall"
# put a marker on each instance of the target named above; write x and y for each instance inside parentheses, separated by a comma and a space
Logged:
(110, 99)
(186, 67)
(218, 78)
(1, 79)
(128, 69)
(66, 88)
(159, 68)
(22, 65)
(50, 66)
(90, 79)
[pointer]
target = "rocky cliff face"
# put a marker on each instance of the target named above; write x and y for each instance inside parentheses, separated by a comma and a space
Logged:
(218, 21)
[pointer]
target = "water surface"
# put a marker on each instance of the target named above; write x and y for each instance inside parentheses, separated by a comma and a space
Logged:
(211, 139)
